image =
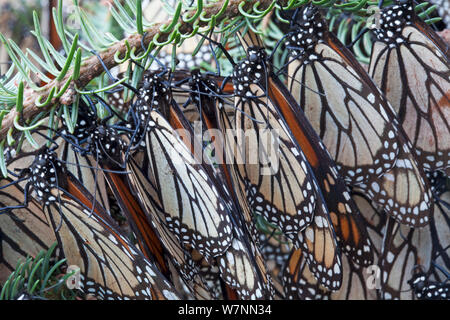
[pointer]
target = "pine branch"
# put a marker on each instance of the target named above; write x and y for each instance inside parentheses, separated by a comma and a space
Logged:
(92, 68)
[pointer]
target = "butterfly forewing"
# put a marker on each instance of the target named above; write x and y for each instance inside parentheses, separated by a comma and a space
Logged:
(23, 232)
(411, 65)
(190, 200)
(283, 193)
(109, 265)
(179, 255)
(287, 196)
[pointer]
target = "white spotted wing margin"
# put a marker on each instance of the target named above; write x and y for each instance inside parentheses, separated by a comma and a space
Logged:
(110, 266)
(405, 194)
(239, 272)
(298, 282)
(411, 65)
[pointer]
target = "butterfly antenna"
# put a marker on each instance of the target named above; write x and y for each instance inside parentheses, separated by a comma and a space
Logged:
(279, 42)
(110, 75)
(109, 108)
(20, 206)
(91, 167)
(213, 52)
(358, 37)
(441, 269)
(221, 47)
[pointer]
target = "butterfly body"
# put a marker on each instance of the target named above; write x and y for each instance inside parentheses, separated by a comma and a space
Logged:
(429, 290)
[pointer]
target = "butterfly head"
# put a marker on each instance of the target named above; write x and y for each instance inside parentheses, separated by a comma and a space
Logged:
(391, 22)
(46, 175)
(203, 90)
(417, 282)
(86, 116)
(105, 143)
(256, 54)
(249, 71)
(306, 31)
(153, 94)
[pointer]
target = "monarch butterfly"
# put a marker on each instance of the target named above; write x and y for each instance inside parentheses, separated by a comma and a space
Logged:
(110, 267)
(185, 259)
(189, 201)
(200, 219)
(274, 195)
(101, 146)
(349, 228)
(411, 65)
(26, 232)
(354, 121)
(82, 166)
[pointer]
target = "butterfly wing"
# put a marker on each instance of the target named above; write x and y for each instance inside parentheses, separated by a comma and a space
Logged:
(411, 65)
(23, 232)
(111, 267)
(355, 122)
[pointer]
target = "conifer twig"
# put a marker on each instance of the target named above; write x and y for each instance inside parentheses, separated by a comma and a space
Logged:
(92, 68)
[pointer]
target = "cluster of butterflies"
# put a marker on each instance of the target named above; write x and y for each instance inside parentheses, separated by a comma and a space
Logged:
(357, 207)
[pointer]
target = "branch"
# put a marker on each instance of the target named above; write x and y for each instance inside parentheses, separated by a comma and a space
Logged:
(92, 68)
